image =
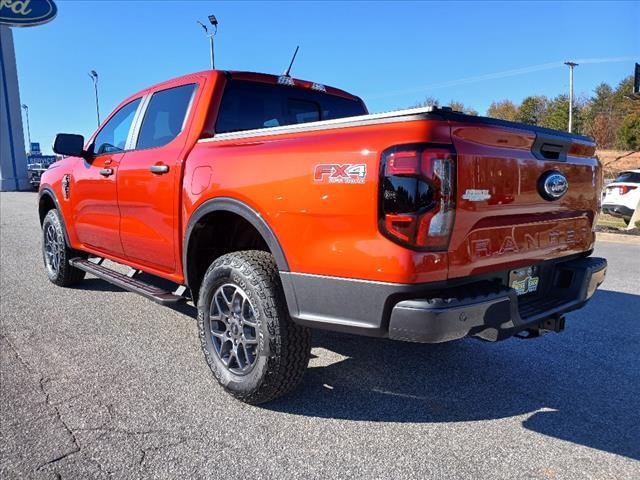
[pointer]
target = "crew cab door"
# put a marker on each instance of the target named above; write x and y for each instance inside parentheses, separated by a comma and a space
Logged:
(96, 217)
(149, 178)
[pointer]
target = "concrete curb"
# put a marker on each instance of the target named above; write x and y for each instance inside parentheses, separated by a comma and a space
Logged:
(618, 238)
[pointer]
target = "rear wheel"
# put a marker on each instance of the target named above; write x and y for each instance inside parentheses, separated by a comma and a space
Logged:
(56, 253)
(254, 349)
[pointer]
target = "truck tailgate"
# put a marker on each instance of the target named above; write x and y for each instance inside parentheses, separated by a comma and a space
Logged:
(502, 218)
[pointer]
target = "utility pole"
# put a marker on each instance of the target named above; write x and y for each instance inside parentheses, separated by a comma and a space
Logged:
(571, 65)
(94, 77)
(214, 23)
(26, 112)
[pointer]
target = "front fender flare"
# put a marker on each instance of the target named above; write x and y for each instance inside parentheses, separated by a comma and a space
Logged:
(48, 191)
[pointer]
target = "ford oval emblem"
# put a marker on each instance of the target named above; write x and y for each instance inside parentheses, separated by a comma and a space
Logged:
(26, 13)
(553, 185)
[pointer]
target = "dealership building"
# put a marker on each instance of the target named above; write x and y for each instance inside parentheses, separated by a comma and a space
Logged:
(13, 156)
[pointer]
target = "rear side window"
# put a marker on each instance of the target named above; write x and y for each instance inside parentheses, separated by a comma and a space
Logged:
(252, 105)
(113, 134)
(632, 177)
(165, 115)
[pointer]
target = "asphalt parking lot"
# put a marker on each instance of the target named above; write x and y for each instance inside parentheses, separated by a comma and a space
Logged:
(101, 383)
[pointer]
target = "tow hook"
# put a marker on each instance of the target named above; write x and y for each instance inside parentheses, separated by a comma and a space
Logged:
(551, 324)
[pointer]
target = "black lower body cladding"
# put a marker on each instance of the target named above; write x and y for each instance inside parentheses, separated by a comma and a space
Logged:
(617, 210)
(482, 306)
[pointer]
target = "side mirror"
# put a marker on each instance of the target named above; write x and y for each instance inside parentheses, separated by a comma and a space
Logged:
(69, 144)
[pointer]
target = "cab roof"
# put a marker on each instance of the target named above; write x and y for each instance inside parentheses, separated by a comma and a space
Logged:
(252, 77)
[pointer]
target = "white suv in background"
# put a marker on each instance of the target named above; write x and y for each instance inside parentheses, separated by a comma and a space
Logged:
(622, 195)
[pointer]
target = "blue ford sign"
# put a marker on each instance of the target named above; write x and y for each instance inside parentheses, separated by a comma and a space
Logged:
(553, 185)
(26, 13)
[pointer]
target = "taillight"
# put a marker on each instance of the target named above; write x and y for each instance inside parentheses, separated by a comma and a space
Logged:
(624, 189)
(417, 197)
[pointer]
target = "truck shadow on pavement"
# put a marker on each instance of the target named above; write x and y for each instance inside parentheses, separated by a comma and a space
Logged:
(582, 386)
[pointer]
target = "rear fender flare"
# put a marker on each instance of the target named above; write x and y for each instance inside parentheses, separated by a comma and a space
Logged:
(245, 211)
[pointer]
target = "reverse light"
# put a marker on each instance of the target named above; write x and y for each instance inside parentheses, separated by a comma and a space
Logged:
(417, 198)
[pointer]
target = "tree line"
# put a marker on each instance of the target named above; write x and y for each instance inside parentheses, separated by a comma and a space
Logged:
(608, 116)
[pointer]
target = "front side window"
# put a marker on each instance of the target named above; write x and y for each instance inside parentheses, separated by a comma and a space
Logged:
(165, 116)
(113, 134)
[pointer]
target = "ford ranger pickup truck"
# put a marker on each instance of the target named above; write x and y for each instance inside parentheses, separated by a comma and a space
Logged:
(278, 205)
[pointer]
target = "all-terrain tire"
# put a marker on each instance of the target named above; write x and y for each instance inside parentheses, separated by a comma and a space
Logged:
(283, 347)
(56, 253)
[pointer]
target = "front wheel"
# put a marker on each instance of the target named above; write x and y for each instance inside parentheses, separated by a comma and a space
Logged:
(56, 253)
(254, 349)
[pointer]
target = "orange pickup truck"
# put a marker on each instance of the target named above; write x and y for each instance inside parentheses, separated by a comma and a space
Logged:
(278, 205)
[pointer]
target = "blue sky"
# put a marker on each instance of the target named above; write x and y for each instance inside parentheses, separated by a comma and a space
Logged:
(392, 54)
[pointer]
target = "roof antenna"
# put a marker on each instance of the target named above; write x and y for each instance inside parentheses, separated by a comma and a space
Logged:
(288, 70)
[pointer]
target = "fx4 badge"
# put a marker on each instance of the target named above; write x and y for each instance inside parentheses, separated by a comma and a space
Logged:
(336, 173)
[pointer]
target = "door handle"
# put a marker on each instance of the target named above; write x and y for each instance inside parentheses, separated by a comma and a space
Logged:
(105, 172)
(159, 169)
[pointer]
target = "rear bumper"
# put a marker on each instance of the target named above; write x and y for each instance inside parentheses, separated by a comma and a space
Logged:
(34, 177)
(500, 314)
(439, 312)
(617, 210)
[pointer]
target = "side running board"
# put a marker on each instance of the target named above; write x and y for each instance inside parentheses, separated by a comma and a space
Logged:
(152, 292)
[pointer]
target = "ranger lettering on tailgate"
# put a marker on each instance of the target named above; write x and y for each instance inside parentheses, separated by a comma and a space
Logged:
(483, 247)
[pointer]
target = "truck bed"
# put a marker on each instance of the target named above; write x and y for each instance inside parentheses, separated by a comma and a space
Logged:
(332, 229)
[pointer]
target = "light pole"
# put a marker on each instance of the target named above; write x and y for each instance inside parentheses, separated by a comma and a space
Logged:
(94, 76)
(25, 107)
(214, 23)
(571, 65)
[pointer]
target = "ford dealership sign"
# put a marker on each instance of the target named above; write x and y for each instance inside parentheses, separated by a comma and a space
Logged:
(26, 13)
